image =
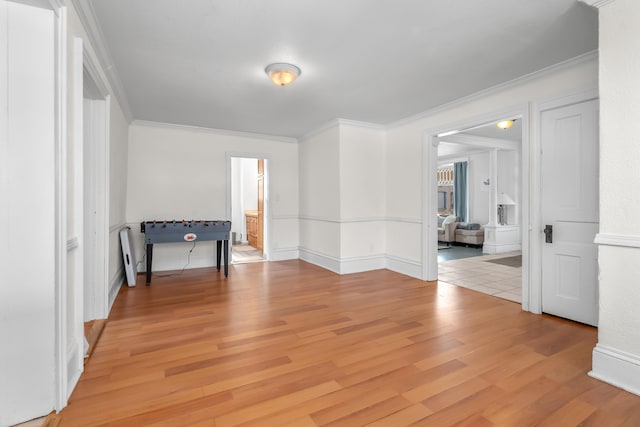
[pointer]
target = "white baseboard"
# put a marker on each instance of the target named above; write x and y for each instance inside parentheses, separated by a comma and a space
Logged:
(283, 254)
(360, 264)
(325, 261)
(617, 368)
(404, 266)
(75, 365)
(114, 286)
(491, 249)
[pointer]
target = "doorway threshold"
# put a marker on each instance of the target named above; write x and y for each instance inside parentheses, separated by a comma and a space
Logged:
(244, 253)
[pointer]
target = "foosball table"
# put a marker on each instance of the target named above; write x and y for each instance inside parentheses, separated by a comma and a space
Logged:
(187, 231)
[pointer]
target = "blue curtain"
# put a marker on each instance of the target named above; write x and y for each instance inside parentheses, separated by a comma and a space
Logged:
(460, 190)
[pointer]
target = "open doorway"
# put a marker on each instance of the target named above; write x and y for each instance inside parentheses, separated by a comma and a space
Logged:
(249, 206)
(481, 168)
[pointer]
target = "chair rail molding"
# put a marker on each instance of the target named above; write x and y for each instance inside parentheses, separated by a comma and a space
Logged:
(622, 240)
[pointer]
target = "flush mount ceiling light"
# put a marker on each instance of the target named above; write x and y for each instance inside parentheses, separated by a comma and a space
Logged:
(505, 124)
(282, 73)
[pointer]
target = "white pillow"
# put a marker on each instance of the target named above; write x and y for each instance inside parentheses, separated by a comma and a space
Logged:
(450, 219)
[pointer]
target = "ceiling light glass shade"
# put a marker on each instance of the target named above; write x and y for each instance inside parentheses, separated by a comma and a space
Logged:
(505, 124)
(282, 74)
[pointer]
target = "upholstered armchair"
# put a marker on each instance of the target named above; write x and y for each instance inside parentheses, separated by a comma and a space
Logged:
(447, 229)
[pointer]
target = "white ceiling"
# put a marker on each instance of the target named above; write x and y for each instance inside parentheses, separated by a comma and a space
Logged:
(201, 62)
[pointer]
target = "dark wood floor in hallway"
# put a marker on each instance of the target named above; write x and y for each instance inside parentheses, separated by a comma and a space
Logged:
(290, 344)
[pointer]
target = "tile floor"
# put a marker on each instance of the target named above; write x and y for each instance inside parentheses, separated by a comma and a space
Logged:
(38, 422)
(475, 273)
(243, 253)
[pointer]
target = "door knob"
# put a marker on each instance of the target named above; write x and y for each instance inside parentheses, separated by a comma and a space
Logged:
(548, 233)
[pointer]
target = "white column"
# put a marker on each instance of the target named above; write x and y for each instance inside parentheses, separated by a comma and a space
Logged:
(493, 188)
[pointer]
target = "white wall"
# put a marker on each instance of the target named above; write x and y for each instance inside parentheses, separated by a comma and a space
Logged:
(617, 355)
(27, 213)
(320, 195)
(362, 193)
(249, 184)
(237, 224)
(405, 141)
(342, 197)
(477, 173)
(404, 187)
(509, 181)
(181, 173)
(244, 193)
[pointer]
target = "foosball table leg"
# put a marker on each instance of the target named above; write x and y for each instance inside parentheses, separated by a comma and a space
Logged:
(218, 253)
(149, 257)
(226, 258)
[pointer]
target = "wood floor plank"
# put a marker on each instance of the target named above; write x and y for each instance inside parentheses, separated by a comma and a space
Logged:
(353, 405)
(270, 406)
(290, 344)
(403, 417)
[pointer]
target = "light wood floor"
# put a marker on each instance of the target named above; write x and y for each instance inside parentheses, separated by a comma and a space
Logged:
(290, 344)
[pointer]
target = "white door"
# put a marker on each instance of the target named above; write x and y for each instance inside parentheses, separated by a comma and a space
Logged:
(569, 139)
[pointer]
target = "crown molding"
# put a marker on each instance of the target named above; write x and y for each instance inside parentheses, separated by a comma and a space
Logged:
(364, 125)
(56, 4)
(96, 38)
(323, 127)
(341, 122)
(161, 125)
(569, 63)
(597, 3)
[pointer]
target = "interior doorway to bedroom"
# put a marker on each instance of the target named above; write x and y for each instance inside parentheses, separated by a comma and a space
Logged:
(249, 196)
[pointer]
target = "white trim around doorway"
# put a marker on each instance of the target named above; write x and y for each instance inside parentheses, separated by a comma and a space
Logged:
(429, 167)
(268, 167)
(64, 380)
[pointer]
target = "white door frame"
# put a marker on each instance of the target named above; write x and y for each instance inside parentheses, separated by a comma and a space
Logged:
(267, 193)
(61, 389)
(99, 170)
(536, 182)
(99, 121)
(430, 186)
